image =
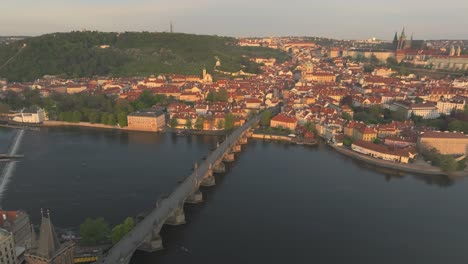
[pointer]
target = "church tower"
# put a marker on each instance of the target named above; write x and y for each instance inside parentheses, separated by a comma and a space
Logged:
(410, 43)
(207, 78)
(47, 249)
(452, 50)
(395, 41)
(402, 42)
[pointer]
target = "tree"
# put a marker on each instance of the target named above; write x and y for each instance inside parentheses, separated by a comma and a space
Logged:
(4, 108)
(347, 141)
(448, 163)
(418, 100)
(392, 62)
(347, 100)
(377, 141)
(456, 125)
(251, 114)
(229, 121)
(189, 123)
(346, 116)
(220, 124)
(210, 97)
(403, 71)
(368, 68)
(111, 120)
(399, 115)
(266, 118)
(94, 231)
(145, 100)
(374, 60)
(222, 95)
(104, 118)
(122, 119)
(76, 117)
(199, 123)
(94, 117)
(174, 123)
(119, 231)
(309, 126)
(122, 105)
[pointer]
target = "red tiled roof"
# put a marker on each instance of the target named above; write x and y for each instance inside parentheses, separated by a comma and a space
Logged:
(436, 134)
(284, 118)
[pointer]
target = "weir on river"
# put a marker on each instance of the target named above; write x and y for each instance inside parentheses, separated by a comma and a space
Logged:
(10, 165)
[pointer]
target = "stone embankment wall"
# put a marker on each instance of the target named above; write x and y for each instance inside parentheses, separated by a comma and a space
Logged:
(271, 137)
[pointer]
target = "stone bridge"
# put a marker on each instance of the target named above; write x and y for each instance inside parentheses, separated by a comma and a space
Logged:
(169, 210)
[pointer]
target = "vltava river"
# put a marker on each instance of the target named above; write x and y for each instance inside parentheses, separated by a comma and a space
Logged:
(277, 203)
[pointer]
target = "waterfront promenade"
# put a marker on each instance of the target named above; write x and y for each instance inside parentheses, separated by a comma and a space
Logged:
(411, 168)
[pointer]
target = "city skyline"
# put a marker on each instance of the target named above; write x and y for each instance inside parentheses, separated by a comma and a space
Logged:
(361, 19)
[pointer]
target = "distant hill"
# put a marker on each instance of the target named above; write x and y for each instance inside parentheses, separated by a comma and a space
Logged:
(84, 54)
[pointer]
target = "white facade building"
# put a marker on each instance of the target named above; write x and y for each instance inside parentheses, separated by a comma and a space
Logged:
(34, 115)
(7, 248)
(426, 110)
(446, 107)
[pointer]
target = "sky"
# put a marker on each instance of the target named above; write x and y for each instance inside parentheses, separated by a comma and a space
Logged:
(341, 19)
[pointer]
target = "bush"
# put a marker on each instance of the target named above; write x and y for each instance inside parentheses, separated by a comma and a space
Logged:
(94, 231)
(347, 141)
(119, 231)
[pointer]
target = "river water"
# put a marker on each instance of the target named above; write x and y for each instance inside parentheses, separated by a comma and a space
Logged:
(277, 203)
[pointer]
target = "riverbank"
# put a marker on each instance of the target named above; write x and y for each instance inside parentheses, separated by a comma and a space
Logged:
(197, 132)
(50, 123)
(264, 136)
(411, 168)
(271, 137)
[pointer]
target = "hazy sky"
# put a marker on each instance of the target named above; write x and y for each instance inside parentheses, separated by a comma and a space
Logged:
(356, 19)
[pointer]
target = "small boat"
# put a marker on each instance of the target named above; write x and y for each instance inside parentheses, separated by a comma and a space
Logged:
(181, 133)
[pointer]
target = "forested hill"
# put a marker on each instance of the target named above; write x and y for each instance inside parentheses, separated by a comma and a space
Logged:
(82, 54)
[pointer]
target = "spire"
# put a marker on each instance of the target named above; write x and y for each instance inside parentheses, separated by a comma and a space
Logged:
(452, 50)
(403, 35)
(48, 241)
(33, 240)
(395, 41)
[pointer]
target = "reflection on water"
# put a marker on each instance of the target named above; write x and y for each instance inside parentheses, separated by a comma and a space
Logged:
(277, 203)
(80, 173)
(311, 204)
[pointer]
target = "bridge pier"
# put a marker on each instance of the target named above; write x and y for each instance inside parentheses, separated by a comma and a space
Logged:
(229, 157)
(209, 180)
(219, 168)
(124, 260)
(196, 197)
(177, 217)
(249, 133)
(154, 243)
(243, 140)
(237, 148)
